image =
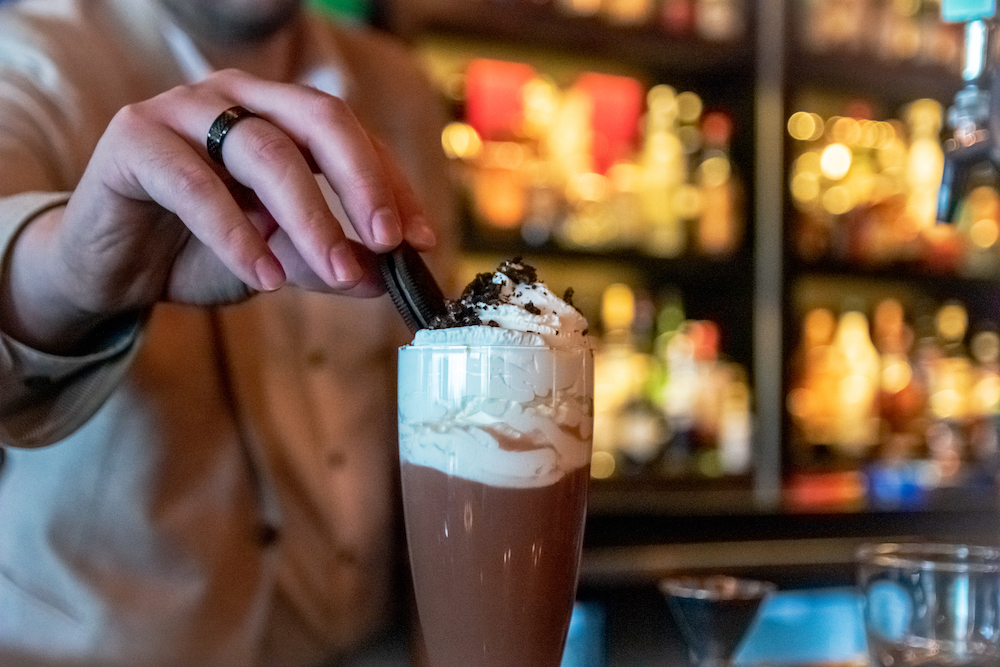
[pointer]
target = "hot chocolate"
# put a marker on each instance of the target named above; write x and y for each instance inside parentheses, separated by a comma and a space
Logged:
(501, 560)
(496, 420)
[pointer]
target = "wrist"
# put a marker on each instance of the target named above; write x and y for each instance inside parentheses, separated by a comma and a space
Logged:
(35, 303)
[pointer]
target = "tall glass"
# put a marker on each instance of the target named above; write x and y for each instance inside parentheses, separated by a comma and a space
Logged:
(931, 604)
(495, 445)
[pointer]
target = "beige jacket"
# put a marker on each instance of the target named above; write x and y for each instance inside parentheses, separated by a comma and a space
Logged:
(144, 486)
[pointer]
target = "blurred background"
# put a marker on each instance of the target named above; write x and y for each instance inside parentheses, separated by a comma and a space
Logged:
(793, 358)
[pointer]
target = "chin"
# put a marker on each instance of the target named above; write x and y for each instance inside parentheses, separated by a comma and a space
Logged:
(234, 21)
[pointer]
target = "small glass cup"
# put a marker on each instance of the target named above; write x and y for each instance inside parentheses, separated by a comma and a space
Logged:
(931, 604)
(714, 613)
(495, 445)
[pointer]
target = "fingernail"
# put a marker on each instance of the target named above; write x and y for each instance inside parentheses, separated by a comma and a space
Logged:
(345, 268)
(269, 273)
(420, 232)
(385, 228)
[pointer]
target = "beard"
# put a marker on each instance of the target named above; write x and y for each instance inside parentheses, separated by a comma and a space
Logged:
(233, 22)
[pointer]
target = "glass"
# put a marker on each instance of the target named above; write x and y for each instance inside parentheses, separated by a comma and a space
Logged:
(714, 613)
(495, 445)
(931, 604)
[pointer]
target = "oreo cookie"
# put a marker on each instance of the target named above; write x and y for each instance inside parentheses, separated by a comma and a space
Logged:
(413, 289)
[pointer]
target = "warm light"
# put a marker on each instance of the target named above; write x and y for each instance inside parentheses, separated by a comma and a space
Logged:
(587, 187)
(986, 347)
(835, 161)
(809, 163)
(987, 393)
(602, 465)
(819, 326)
(715, 171)
(541, 106)
(896, 375)
(460, 140)
(686, 201)
(925, 163)
(837, 200)
(690, 137)
(983, 233)
(805, 187)
(946, 403)
(800, 403)
(951, 322)
(886, 134)
(805, 126)
(854, 388)
(846, 131)
(617, 307)
(625, 177)
(689, 107)
(869, 134)
(662, 99)
(503, 155)
(582, 7)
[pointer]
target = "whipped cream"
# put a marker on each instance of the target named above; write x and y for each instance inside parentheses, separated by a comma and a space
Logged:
(507, 401)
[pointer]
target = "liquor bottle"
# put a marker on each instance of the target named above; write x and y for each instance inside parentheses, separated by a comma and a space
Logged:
(814, 384)
(676, 17)
(544, 198)
(836, 25)
(854, 354)
(984, 446)
(950, 389)
(978, 221)
(664, 170)
(579, 7)
(720, 20)
(902, 400)
(680, 395)
(720, 222)
(587, 223)
(900, 36)
(925, 161)
(985, 349)
(627, 12)
(626, 424)
(735, 424)
(494, 108)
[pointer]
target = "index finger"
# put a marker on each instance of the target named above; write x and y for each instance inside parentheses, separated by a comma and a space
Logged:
(328, 131)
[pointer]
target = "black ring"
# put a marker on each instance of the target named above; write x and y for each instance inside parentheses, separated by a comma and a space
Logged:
(220, 128)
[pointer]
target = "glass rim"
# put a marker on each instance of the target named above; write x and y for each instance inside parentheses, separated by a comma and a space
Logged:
(464, 347)
(940, 556)
(716, 587)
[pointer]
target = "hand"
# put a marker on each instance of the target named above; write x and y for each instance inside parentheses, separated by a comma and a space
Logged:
(153, 218)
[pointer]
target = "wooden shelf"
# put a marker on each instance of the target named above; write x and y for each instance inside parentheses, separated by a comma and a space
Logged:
(730, 274)
(543, 26)
(893, 83)
(921, 277)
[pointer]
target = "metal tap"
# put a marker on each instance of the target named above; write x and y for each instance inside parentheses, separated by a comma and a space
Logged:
(975, 116)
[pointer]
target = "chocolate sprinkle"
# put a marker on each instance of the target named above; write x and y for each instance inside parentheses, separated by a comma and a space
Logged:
(519, 272)
(482, 291)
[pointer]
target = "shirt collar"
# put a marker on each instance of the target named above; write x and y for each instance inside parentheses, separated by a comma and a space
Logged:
(325, 72)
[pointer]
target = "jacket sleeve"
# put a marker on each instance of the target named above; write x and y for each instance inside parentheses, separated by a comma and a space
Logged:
(44, 397)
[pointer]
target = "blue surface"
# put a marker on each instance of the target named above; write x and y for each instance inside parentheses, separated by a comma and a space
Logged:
(795, 627)
(585, 640)
(957, 11)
